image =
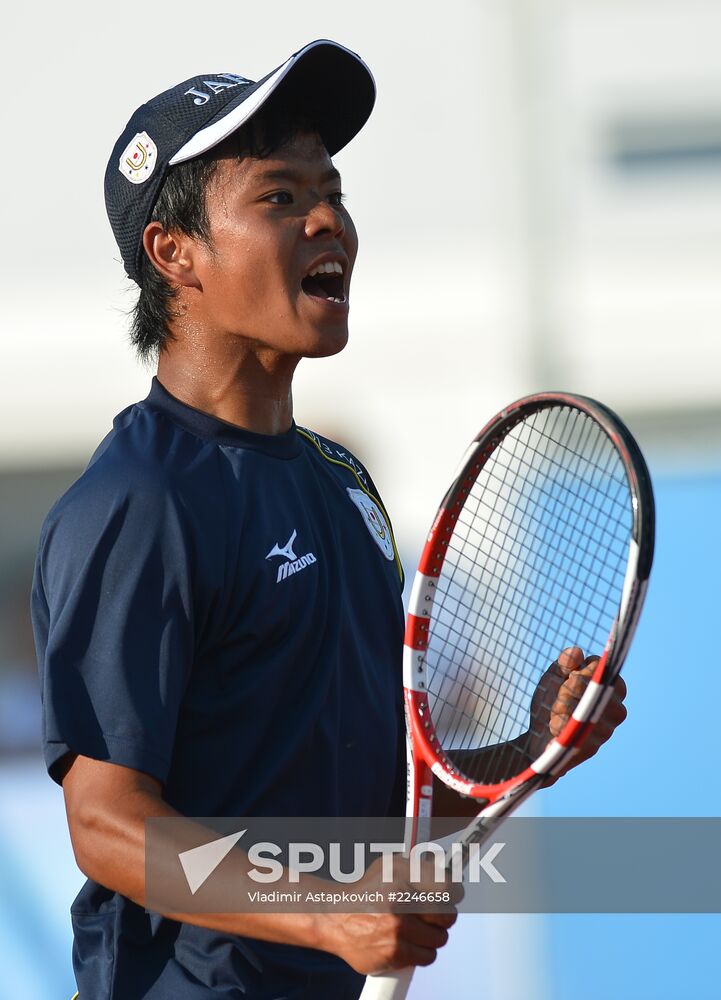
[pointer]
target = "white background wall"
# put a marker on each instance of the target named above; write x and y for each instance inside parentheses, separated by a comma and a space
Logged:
(501, 251)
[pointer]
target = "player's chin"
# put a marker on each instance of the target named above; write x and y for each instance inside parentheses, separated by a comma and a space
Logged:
(325, 323)
(328, 346)
(326, 340)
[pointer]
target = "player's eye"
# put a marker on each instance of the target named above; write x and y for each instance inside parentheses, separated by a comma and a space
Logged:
(279, 198)
(336, 198)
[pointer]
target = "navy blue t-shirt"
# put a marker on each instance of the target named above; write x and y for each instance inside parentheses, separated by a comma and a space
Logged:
(221, 610)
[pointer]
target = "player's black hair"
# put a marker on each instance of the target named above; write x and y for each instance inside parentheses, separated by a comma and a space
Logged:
(181, 206)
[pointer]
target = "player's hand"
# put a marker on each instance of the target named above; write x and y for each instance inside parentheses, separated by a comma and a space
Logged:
(373, 943)
(555, 699)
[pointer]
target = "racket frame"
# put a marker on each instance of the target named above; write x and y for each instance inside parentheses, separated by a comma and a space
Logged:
(426, 754)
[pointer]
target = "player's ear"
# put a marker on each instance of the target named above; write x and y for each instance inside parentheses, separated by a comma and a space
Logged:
(172, 254)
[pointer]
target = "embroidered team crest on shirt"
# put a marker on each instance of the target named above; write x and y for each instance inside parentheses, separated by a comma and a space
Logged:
(138, 159)
(375, 521)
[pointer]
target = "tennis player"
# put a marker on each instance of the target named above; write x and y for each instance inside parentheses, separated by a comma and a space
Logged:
(217, 599)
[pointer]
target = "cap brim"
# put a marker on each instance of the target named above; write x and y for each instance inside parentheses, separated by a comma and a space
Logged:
(328, 80)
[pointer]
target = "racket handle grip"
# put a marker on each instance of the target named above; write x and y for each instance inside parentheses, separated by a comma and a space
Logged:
(390, 986)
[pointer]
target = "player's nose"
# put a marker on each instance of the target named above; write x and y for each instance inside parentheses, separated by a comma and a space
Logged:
(323, 218)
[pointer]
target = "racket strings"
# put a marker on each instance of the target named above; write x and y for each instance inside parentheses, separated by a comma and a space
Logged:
(527, 469)
(500, 689)
(535, 563)
(500, 685)
(592, 548)
(591, 542)
(499, 588)
(500, 692)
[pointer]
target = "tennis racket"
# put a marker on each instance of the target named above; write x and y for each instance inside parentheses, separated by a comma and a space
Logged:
(543, 542)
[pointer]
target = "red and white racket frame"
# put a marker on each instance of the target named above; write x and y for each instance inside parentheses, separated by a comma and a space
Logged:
(426, 756)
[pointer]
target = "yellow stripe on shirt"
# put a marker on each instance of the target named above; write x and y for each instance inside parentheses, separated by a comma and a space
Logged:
(347, 465)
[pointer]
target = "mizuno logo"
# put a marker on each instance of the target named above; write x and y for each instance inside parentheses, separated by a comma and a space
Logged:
(287, 551)
(293, 564)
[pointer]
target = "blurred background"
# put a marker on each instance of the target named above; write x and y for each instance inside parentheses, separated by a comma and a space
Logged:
(538, 196)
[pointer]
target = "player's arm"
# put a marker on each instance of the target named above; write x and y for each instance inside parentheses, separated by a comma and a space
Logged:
(558, 692)
(107, 806)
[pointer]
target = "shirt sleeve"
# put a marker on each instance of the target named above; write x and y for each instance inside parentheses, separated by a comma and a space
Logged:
(113, 620)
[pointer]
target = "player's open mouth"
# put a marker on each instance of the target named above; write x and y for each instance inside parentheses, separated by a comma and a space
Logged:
(325, 281)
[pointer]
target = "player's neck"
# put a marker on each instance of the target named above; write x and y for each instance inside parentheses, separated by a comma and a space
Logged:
(246, 388)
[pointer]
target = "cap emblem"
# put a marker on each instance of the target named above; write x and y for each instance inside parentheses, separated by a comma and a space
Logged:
(138, 159)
